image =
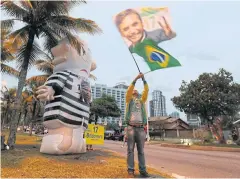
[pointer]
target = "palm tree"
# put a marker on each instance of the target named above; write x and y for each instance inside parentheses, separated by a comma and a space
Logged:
(48, 20)
(8, 98)
(35, 106)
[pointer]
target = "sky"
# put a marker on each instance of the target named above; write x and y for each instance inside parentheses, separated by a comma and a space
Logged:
(207, 39)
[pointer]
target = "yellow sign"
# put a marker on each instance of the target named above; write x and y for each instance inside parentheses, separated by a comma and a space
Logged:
(94, 134)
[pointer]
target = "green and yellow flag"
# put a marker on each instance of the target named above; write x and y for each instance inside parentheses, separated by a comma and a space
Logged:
(154, 56)
(143, 29)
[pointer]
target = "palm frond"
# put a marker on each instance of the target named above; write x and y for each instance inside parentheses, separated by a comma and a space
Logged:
(5, 69)
(4, 33)
(44, 66)
(7, 24)
(60, 7)
(18, 37)
(14, 10)
(35, 54)
(51, 38)
(6, 56)
(64, 32)
(12, 42)
(6, 53)
(77, 24)
(72, 4)
(26, 4)
(34, 3)
(12, 91)
(25, 94)
(38, 80)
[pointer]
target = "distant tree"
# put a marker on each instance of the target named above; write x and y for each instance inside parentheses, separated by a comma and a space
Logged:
(209, 96)
(112, 126)
(106, 106)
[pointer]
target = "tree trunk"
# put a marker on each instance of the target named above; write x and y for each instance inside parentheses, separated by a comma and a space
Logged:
(21, 81)
(2, 124)
(217, 132)
(33, 117)
(24, 118)
(5, 117)
(19, 118)
(30, 131)
(220, 131)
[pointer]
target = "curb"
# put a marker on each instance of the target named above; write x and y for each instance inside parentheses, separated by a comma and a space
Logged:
(178, 176)
(195, 147)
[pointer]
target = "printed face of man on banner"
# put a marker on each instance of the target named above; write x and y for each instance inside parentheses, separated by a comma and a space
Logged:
(137, 24)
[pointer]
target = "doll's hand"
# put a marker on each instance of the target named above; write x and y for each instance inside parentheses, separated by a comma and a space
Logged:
(45, 93)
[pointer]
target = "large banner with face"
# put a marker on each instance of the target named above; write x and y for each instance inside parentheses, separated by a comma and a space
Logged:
(142, 30)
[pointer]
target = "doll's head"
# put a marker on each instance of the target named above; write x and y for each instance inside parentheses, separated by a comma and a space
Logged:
(67, 57)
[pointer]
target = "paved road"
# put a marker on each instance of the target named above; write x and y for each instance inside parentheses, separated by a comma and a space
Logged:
(188, 163)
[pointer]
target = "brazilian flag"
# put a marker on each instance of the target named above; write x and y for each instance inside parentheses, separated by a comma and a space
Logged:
(154, 56)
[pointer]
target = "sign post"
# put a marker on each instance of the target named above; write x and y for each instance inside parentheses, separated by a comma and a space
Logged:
(94, 135)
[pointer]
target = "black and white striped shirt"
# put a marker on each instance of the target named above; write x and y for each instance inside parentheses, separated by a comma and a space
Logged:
(71, 99)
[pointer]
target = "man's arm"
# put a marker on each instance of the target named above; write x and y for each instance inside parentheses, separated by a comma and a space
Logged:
(145, 91)
(159, 35)
(131, 88)
(130, 91)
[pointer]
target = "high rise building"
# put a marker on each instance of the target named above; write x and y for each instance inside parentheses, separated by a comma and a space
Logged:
(175, 114)
(157, 104)
(118, 92)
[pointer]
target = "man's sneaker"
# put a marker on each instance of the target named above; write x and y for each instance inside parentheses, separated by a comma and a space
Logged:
(131, 175)
(145, 174)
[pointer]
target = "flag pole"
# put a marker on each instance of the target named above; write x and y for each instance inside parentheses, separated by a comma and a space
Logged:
(147, 72)
(135, 63)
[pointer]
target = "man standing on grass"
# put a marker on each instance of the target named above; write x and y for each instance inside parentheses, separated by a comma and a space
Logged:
(136, 119)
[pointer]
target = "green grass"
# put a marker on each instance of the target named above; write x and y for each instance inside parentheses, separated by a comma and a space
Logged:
(218, 145)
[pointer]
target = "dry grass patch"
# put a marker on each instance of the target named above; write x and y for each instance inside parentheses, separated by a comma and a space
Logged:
(27, 162)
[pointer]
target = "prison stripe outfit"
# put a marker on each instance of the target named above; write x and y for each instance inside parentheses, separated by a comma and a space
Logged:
(67, 105)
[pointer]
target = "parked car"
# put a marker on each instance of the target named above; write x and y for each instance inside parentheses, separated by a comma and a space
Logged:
(108, 135)
(118, 136)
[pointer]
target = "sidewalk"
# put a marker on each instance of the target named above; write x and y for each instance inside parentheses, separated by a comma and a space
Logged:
(194, 147)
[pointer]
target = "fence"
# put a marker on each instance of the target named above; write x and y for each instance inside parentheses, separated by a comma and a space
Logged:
(173, 133)
(183, 133)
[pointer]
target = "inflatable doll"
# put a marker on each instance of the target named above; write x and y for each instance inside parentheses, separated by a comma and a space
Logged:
(67, 93)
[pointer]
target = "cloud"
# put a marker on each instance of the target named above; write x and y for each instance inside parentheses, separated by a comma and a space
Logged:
(199, 56)
(164, 88)
(126, 79)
